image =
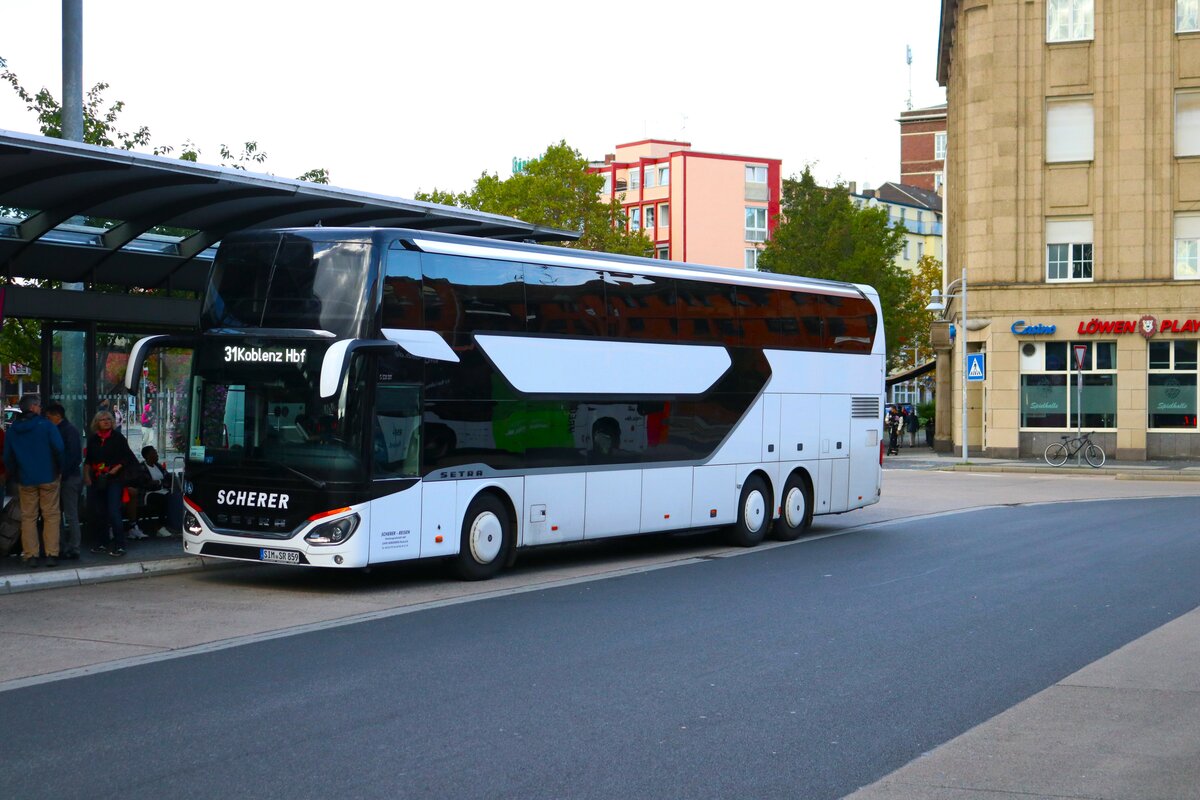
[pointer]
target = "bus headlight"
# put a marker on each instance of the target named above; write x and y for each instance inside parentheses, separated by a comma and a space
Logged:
(191, 524)
(333, 532)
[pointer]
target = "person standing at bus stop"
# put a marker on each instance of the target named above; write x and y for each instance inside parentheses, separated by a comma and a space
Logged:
(108, 455)
(72, 479)
(33, 450)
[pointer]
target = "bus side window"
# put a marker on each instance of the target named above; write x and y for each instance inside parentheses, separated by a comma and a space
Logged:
(396, 432)
(401, 302)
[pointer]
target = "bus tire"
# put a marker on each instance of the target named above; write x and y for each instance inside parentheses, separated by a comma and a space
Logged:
(753, 515)
(796, 512)
(486, 539)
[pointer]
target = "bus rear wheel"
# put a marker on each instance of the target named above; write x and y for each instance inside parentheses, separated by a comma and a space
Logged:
(796, 514)
(486, 539)
(754, 513)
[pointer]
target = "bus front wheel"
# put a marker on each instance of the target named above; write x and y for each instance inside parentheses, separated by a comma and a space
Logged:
(753, 515)
(486, 539)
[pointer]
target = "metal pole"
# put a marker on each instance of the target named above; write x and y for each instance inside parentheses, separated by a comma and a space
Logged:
(72, 70)
(963, 334)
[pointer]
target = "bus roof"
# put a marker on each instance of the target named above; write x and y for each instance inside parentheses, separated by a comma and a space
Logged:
(469, 246)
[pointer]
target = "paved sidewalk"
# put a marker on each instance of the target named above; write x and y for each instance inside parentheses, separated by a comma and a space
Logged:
(927, 458)
(143, 558)
(1126, 727)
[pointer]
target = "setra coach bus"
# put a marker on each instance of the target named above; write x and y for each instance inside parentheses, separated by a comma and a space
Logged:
(361, 396)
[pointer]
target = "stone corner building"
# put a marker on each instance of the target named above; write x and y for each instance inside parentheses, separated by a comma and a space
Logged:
(1073, 203)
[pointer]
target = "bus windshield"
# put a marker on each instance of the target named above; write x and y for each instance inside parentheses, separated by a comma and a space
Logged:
(288, 281)
(259, 406)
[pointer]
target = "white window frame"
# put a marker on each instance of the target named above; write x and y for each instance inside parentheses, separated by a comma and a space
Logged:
(756, 232)
(1069, 242)
(648, 215)
(939, 146)
(648, 176)
(608, 184)
(1187, 123)
(750, 258)
(664, 215)
(635, 219)
(753, 174)
(663, 252)
(664, 175)
(1070, 20)
(1187, 247)
(635, 178)
(939, 180)
(1070, 130)
(1187, 16)
(905, 254)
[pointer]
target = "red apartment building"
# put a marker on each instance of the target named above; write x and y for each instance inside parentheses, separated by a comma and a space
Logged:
(707, 208)
(923, 147)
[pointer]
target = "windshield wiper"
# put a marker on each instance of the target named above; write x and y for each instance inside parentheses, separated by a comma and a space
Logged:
(319, 484)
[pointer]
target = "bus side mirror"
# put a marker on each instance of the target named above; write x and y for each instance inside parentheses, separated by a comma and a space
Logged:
(141, 350)
(336, 362)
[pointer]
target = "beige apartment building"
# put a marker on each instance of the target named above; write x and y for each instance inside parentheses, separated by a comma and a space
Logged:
(1072, 203)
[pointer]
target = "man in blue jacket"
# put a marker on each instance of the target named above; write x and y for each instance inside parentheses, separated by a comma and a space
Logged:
(33, 451)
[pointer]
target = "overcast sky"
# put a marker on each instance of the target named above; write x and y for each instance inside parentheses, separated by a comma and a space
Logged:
(392, 97)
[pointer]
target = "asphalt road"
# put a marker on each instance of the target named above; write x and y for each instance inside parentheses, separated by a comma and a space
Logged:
(803, 671)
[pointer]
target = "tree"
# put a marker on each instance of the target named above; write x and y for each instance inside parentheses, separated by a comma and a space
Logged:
(555, 190)
(822, 234)
(100, 127)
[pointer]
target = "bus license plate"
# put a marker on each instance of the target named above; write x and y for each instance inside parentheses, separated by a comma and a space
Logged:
(279, 556)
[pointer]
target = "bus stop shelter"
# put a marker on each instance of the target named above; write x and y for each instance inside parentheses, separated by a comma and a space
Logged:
(104, 246)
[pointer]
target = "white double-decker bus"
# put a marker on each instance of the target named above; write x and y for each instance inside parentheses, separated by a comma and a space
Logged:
(361, 396)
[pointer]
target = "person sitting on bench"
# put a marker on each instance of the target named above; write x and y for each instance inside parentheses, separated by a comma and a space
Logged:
(153, 485)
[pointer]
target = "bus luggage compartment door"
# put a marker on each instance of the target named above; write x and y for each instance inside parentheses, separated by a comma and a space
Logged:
(554, 508)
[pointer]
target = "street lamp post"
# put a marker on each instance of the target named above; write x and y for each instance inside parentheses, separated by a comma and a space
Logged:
(936, 304)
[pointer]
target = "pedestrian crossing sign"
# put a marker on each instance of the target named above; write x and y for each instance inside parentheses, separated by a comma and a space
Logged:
(976, 369)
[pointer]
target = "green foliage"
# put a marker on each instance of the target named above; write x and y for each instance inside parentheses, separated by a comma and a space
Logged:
(926, 412)
(822, 234)
(555, 190)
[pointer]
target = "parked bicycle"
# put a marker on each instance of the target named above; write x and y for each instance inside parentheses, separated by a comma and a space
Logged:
(1058, 452)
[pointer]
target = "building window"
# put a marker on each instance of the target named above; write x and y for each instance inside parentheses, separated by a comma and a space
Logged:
(920, 250)
(664, 176)
(664, 215)
(1171, 385)
(1069, 250)
(663, 252)
(607, 190)
(756, 174)
(649, 180)
(1187, 246)
(751, 258)
(1048, 385)
(635, 219)
(1069, 20)
(939, 147)
(1187, 16)
(635, 178)
(649, 218)
(939, 180)
(1070, 130)
(1187, 123)
(756, 224)
(905, 255)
